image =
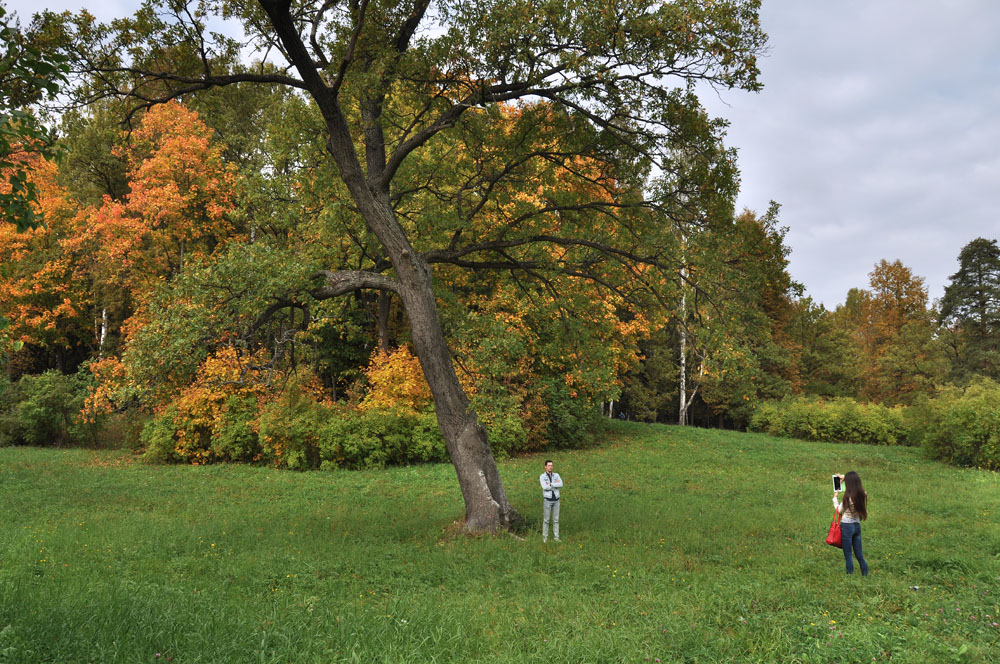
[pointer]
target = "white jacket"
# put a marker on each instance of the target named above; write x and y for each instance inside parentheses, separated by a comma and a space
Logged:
(550, 488)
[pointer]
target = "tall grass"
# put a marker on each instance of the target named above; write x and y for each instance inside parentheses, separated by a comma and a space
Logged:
(679, 544)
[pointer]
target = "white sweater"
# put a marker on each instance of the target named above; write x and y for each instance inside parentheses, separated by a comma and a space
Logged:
(847, 515)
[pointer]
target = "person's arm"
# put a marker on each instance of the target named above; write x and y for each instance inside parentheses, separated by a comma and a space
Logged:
(544, 479)
(556, 481)
(836, 504)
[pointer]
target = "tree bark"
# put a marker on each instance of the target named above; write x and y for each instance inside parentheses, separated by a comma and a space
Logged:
(682, 410)
(382, 321)
(682, 413)
(103, 333)
(486, 505)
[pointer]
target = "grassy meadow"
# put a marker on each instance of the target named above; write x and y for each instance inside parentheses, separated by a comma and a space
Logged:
(679, 545)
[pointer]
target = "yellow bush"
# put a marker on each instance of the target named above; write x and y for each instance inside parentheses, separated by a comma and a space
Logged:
(395, 381)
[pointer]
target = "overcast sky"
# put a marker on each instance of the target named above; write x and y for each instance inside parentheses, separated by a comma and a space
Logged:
(878, 131)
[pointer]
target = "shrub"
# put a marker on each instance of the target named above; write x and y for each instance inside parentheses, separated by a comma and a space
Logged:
(395, 381)
(506, 434)
(234, 436)
(765, 418)
(428, 441)
(11, 431)
(836, 420)
(505, 418)
(571, 416)
(289, 430)
(376, 438)
(45, 410)
(121, 430)
(214, 418)
(158, 437)
(961, 426)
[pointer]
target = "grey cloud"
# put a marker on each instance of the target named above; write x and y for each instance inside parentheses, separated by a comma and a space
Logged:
(877, 131)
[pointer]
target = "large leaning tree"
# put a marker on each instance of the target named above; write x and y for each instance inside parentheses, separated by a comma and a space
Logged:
(601, 91)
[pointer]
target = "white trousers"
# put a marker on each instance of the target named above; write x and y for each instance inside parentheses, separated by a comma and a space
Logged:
(550, 509)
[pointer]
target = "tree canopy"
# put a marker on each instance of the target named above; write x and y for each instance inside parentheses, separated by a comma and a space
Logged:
(971, 307)
(27, 74)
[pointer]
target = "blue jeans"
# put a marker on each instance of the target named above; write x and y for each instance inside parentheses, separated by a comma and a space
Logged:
(550, 508)
(851, 533)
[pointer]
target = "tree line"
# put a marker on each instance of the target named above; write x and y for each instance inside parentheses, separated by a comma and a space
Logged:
(885, 344)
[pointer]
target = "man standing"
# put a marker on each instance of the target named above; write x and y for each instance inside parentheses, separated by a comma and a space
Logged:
(551, 483)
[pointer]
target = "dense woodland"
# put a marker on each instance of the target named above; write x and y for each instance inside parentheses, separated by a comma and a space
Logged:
(177, 239)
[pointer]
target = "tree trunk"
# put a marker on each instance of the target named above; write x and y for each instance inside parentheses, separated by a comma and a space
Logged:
(486, 506)
(685, 399)
(103, 334)
(682, 418)
(682, 410)
(382, 323)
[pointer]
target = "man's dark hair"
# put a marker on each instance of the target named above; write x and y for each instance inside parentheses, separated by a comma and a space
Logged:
(547, 462)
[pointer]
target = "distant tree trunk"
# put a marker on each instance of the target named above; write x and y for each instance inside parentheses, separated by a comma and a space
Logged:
(384, 302)
(684, 400)
(682, 410)
(103, 333)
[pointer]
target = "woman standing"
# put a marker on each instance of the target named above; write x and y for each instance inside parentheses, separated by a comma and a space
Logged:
(853, 510)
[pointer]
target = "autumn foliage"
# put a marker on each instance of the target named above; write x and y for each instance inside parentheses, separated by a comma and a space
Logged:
(108, 279)
(156, 295)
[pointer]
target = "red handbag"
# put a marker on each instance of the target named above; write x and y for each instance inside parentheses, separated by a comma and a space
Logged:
(834, 538)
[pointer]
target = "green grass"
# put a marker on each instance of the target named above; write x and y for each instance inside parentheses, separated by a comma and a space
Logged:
(679, 544)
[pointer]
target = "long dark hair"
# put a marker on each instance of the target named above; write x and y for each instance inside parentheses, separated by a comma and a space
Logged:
(854, 495)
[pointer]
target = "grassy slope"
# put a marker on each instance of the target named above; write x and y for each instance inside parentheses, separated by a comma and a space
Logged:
(679, 544)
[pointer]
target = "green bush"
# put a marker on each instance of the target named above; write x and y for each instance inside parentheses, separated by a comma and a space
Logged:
(961, 426)
(234, 437)
(175, 435)
(840, 420)
(298, 432)
(295, 432)
(506, 434)
(376, 438)
(158, 438)
(289, 431)
(122, 430)
(10, 427)
(571, 417)
(44, 410)
(428, 441)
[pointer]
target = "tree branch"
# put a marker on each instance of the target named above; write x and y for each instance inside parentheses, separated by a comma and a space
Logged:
(317, 19)
(346, 281)
(338, 283)
(349, 53)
